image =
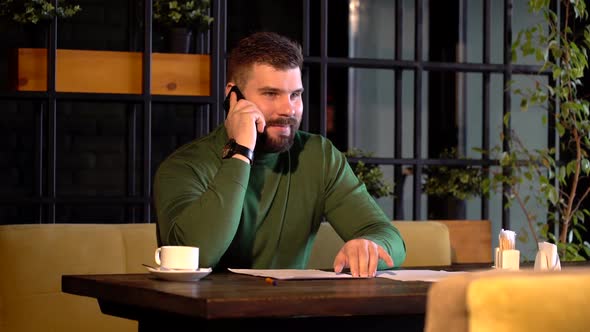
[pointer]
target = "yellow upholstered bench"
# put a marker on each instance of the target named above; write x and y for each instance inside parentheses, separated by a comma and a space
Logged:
(34, 257)
(511, 301)
(427, 244)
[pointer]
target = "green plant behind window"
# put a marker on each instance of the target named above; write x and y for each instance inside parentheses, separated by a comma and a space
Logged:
(192, 14)
(461, 182)
(35, 11)
(370, 174)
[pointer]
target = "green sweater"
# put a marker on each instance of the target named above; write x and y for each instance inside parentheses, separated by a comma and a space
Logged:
(265, 215)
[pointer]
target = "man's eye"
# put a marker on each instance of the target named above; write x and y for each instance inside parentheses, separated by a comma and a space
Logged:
(295, 95)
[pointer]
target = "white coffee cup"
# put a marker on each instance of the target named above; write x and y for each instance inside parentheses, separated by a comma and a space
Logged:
(177, 257)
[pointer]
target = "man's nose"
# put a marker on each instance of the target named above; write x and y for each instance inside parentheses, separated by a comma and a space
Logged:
(287, 107)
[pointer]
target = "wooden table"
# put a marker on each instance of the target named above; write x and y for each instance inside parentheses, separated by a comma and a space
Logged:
(227, 300)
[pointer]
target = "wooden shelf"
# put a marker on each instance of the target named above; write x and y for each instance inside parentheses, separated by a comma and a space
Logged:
(114, 72)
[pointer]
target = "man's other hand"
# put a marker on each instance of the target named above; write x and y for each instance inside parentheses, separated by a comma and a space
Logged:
(362, 257)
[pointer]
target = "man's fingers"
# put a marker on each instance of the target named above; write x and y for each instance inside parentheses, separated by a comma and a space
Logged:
(339, 262)
(260, 124)
(364, 258)
(385, 256)
(233, 99)
(244, 121)
(373, 262)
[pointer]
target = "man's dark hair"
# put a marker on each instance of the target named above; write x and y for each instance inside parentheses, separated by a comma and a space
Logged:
(263, 48)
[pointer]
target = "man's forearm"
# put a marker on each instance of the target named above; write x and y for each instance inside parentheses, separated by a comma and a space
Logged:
(208, 219)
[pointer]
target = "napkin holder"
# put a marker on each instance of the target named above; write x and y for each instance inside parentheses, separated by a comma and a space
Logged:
(507, 259)
(547, 258)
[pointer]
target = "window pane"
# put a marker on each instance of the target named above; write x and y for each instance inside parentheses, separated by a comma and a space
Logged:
(472, 111)
(371, 108)
(474, 30)
(372, 29)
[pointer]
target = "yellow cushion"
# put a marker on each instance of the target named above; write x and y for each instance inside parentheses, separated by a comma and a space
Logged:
(539, 302)
(36, 256)
(427, 244)
(510, 301)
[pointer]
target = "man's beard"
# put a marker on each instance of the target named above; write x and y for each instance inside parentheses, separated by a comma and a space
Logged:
(267, 144)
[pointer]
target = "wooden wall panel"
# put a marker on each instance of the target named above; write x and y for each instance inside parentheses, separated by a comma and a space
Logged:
(114, 72)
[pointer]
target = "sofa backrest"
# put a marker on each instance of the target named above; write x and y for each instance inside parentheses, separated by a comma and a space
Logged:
(34, 257)
(427, 244)
(516, 301)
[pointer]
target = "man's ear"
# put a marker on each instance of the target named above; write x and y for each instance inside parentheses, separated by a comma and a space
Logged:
(228, 87)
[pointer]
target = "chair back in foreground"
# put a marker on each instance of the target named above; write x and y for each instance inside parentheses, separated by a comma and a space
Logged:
(427, 244)
(36, 256)
(510, 301)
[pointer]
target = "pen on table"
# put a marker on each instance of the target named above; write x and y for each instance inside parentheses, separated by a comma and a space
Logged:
(271, 281)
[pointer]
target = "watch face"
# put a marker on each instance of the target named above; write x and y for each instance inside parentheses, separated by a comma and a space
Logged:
(228, 149)
(232, 147)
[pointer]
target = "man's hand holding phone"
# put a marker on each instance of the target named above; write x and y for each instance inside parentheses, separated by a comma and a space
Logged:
(244, 120)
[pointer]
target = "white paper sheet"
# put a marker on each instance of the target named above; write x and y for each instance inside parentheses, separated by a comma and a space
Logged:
(416, 275)
(284, 274)
(401, 275)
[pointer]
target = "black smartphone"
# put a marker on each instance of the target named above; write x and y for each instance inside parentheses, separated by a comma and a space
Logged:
(226, 101)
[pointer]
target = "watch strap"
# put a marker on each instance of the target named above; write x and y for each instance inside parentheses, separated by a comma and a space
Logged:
(232, 147)
(244, 151)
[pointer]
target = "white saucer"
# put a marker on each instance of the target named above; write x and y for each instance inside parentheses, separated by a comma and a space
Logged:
(176, 275)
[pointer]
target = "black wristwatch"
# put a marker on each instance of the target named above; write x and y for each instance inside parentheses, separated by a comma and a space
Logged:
(232, 147)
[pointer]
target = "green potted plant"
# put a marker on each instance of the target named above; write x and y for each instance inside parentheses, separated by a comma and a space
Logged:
(448, 186)
(34, 16)
(460, 182)
(556, 177)
(181, 18)
(36, 11)
(370, 174)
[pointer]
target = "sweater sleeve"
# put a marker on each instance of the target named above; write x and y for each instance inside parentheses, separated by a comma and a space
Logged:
(199, 198)
(353, 212)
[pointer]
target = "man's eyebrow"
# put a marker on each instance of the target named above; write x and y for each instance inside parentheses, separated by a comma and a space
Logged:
(276, 90)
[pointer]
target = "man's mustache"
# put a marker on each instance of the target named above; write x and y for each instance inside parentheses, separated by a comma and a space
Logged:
(282, 122)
